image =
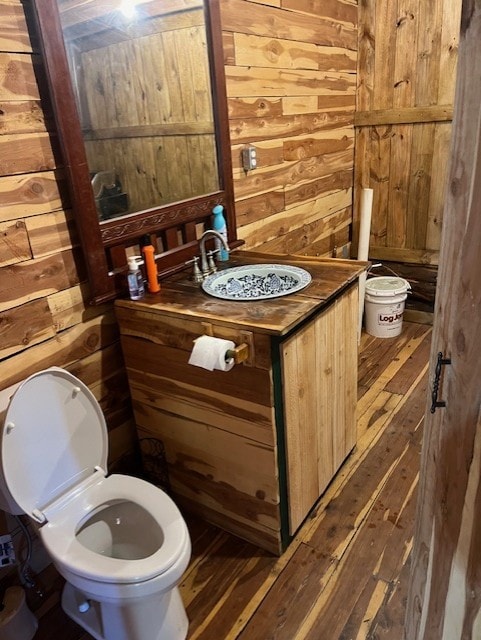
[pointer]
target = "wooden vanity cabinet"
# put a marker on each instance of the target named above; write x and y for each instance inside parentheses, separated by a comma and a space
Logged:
(217, 429)
(252, 449)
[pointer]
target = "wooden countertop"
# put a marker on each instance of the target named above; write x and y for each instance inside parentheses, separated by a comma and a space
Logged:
(181, 298)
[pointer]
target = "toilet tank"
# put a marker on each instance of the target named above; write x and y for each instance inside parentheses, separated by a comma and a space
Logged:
(7, 503)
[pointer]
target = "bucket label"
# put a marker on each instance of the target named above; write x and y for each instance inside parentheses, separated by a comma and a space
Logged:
(390, 318)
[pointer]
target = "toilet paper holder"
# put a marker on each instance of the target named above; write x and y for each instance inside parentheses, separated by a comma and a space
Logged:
(241, 353)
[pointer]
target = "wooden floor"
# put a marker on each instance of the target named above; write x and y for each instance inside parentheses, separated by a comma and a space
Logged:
(344, 576)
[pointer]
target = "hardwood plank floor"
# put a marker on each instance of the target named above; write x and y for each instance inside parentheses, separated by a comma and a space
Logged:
(344, 576)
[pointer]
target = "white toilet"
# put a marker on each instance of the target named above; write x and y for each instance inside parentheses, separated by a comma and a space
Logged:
(120, 542)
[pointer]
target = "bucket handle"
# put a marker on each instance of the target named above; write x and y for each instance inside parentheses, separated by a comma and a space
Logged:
(379, 264)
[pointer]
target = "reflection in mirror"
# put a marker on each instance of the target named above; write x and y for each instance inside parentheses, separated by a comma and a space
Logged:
(142, 85)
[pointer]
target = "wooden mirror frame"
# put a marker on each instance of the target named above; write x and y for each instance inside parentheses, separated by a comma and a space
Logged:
(104, 243)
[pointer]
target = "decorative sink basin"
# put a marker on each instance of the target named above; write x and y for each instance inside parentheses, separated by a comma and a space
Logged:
(256, 282)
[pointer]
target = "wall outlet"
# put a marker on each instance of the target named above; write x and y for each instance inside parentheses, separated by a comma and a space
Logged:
(249, 158)
(7, 552)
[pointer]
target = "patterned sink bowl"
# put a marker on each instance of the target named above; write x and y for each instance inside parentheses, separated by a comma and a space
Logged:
(256, 282)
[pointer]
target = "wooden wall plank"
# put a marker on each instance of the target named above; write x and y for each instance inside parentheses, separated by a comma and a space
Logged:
(63, 350)
(25, 153)
(269, 153)
(427, 78)
(448, 60)
(366, 56)
(422, 153)
(404, 115)
(259, 207)
(344, 12)
(437, 196)
(399, 182)
(317, 238)
(17, 76)
(31, 194)
(247, 81)
(332, 183)
(281, 224)
(319, 144)
(37, 278)
(24, 326)
(256, 51)
(414, 256)
(250, 130)
(14, 244)
(292, 174)
(13, 28)
(51, 232)
(401, 92)
(252, 107)
(270, 22)
(71, 306)
(383, 14)
(23, 116)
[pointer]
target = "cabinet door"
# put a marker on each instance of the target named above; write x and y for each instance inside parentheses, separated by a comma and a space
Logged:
(319, 372)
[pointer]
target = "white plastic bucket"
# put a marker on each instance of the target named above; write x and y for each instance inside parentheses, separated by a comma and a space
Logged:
(384, 305)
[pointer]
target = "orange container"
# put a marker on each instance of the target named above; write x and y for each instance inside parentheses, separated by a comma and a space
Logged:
(151, 269)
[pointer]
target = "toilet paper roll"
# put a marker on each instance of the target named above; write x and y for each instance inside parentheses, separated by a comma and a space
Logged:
(210, 353)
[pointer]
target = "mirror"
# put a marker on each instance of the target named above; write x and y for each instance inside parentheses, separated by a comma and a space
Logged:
(138, 92)
(141, 79)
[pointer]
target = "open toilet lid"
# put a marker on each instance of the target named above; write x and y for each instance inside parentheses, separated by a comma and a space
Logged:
(53, 438)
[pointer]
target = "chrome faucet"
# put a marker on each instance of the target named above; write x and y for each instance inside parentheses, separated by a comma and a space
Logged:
(204, 266)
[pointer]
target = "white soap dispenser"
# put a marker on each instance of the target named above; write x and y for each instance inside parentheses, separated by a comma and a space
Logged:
(135, 280)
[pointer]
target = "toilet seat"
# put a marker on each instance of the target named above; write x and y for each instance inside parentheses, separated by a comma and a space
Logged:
(54, 438)
(59, 533)
(53, 454)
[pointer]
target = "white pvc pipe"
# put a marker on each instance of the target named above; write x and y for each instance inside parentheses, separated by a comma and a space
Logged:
(363, 247)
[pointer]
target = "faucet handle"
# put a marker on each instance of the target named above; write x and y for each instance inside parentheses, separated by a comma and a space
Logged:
(210, 260)
(197, 276)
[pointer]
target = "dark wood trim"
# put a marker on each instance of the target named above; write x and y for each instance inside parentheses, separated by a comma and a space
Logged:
(129, 228)
(72, 146)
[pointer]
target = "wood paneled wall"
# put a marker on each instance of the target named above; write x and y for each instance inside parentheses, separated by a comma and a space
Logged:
(291, 82)
(405, 93)
(45, 318)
